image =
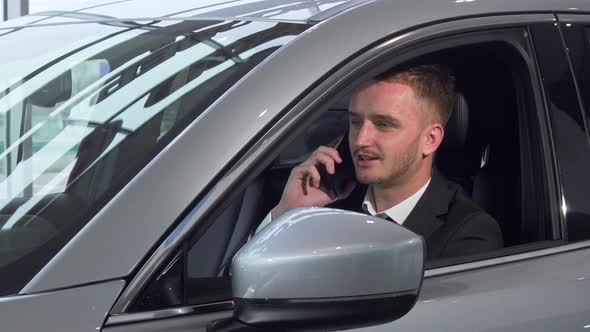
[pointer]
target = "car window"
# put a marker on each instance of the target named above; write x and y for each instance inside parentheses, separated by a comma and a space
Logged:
(331, 126)
(79, 127)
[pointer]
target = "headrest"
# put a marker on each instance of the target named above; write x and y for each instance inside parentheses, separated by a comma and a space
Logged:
(458, 124)
(456, 157)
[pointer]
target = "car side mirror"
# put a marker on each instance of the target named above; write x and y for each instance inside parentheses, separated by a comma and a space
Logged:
(324, 268)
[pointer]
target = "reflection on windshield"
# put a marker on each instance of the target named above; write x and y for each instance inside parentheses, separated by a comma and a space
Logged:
(77, 130)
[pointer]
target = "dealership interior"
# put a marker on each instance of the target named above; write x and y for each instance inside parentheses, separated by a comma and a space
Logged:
(10, 9)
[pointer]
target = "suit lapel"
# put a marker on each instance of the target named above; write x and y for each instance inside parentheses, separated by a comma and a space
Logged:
(423, 219)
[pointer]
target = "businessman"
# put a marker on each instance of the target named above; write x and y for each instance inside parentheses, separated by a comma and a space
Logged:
(396, 125)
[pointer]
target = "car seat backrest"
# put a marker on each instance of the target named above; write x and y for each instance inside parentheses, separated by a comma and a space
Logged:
(484, 161)
(457, 157)
(496, 189)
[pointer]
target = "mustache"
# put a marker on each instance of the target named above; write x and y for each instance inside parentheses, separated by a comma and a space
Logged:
(366, 152)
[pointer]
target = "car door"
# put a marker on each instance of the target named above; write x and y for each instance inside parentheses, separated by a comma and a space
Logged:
(515, 288)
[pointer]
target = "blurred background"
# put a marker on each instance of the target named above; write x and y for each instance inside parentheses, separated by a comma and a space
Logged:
(10, 9)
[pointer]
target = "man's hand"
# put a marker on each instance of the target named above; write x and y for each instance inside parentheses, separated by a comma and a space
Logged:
(303, 187)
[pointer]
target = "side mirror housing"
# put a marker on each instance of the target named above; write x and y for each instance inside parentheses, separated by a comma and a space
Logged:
(324, 268)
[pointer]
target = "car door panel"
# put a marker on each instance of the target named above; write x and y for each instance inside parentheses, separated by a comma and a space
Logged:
(545, 293)
(80, 309)
(540, 294)
(196, 323)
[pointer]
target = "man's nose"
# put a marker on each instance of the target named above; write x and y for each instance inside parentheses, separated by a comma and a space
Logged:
(364, 135)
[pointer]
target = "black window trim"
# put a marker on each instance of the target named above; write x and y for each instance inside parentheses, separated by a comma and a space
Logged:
(558, 217)
(565, 20)
(584, 20)
(270, 144)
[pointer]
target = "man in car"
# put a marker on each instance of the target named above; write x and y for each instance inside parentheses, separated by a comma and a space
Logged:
(396, 125)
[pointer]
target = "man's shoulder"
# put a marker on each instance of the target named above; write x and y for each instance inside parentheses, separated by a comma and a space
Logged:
(467, 228)
(461, 209)
(463, 204)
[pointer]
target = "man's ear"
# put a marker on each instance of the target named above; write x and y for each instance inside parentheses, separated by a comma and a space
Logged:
(433, 136)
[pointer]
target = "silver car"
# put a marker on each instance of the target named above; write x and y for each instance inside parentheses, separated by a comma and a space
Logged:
(142, 143)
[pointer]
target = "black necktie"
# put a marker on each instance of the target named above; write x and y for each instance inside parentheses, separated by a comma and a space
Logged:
(385, 216)
(381, 215)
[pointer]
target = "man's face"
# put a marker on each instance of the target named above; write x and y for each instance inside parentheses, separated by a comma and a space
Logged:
(386, 133)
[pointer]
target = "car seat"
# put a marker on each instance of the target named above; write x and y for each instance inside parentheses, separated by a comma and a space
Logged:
(485, 162)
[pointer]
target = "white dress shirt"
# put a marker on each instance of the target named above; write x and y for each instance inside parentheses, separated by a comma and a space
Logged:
(398, 212)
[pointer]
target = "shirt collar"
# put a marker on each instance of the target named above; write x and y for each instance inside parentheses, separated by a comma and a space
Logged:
(398, 212)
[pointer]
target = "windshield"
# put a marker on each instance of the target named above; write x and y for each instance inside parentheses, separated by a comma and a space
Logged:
(83, 108)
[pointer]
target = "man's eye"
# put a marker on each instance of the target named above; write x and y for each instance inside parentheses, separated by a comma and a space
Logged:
(382, 124)
(355, 122)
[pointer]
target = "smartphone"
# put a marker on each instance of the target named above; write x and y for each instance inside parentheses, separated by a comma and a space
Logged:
(344, 172)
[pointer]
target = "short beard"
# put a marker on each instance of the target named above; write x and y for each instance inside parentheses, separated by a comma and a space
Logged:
(402, 166)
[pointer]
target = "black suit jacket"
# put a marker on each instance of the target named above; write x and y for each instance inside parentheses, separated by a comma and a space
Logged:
(448, 220)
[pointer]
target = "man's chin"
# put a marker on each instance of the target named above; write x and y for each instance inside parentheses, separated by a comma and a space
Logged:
(367, 179)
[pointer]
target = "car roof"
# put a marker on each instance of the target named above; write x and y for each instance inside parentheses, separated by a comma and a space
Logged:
(277, 10)
(308, 11)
